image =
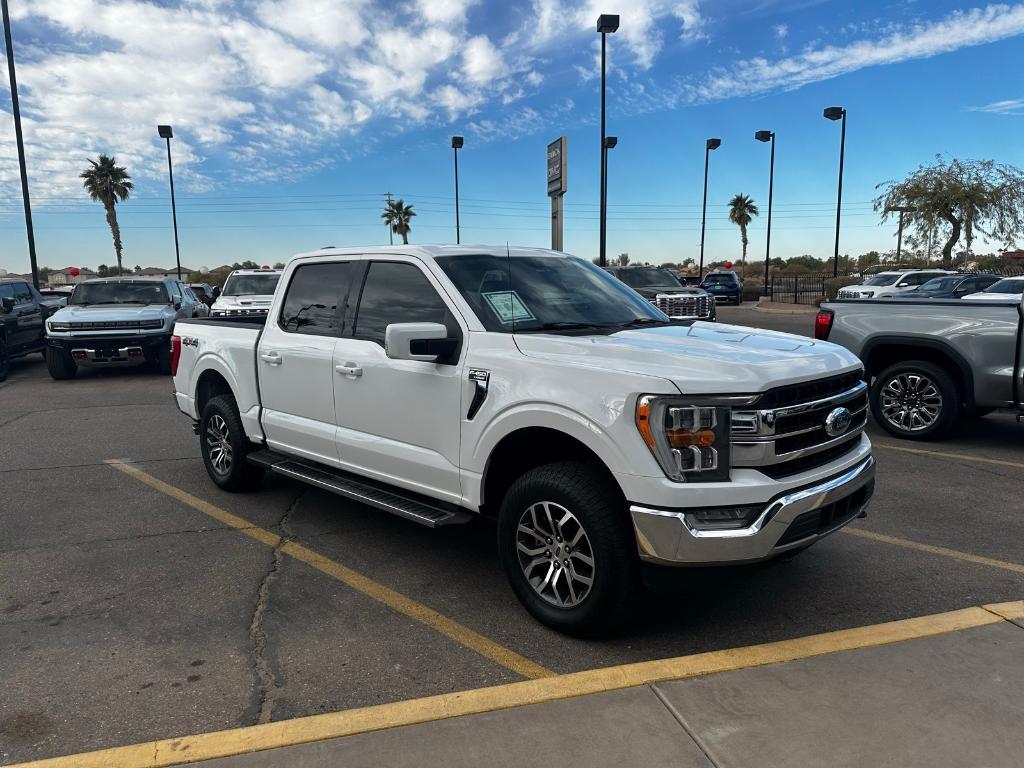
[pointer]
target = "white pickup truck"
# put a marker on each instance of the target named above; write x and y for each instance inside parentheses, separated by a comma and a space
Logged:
(443, 382)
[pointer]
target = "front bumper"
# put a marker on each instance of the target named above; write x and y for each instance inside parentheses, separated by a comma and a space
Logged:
(791, 520)
(112, 350)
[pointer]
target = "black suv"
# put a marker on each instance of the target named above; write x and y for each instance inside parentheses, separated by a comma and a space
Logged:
(22, 319)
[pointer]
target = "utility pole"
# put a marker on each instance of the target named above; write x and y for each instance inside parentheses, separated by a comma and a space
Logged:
(391, 235)
(16, 109)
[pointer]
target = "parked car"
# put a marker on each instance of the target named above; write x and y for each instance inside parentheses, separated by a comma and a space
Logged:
(205, 292)
(440, 383)
(892, 283)
(1007, 288)
(22, 313)
(952, 286)
(932, 364)
(724, 285)
(246, 292)
(117, 321)
(663, 289)
(54, 299)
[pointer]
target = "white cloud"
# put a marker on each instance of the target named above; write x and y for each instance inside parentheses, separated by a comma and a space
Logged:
(327, 23)
(482, 62)
(1003, 107)
(960, 29)
(444, 11)
(781, 31)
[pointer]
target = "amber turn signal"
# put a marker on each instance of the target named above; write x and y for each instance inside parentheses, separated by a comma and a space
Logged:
(681, 438)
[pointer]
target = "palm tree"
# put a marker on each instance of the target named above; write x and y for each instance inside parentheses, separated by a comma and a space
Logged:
(397, 215)
(741, 212)
(107, 183)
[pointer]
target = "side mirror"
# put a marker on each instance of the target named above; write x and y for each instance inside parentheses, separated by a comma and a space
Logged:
(418, 341)
(7, 304)
(177, 305)
(216, 292)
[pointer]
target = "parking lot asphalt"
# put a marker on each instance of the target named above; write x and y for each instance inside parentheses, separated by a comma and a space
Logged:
(134, 610)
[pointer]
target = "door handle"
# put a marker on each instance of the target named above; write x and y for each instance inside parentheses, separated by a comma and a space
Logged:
(349, 369)
(271, 358)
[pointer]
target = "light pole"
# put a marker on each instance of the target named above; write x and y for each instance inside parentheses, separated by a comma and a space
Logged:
(838, 113)
(709, 145)
(166, 133)
(610, 142)
(457, 142)
(16, 109)
(607, 23)
(768, 136)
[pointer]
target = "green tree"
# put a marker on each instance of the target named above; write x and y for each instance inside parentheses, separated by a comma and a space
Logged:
(108, 183)
(741, 213)
(959, 197)
(278, 265)
(398, 215)
(622, 259)
(102, 270)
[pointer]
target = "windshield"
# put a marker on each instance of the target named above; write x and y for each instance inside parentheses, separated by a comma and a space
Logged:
(637, 277)
(882, 280)
(1011, 285)
(119, 293)
(941, 284)
(723, 278)
(251, 285)
(533, 293)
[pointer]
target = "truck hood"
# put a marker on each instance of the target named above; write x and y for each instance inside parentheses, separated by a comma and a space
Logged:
(96, 313)
(702, 358)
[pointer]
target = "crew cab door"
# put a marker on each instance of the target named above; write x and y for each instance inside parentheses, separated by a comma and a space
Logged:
(28, 317)
(399, 420)
(295, 360)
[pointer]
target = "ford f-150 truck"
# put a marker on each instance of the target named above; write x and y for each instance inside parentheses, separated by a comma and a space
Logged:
(932, 362)
(443, 382)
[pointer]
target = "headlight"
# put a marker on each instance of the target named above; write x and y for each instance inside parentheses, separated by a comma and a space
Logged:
(690, 442)
(52, 326)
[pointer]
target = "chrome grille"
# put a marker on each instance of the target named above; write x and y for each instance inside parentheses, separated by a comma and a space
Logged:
(778, 430)
(683, 305)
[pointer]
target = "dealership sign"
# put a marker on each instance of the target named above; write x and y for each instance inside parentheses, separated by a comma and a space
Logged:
(557, 176)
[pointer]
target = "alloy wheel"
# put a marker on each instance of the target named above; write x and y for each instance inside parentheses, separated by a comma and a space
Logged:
(218, 444)
(910, 402)
(555, 554)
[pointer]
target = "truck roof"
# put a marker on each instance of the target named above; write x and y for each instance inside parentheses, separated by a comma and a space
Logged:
(433, 251)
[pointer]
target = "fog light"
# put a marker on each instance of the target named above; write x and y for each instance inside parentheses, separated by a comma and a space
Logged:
(79, 355)
(722, 518)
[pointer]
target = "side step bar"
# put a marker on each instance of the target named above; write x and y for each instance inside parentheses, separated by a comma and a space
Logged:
(419, 509)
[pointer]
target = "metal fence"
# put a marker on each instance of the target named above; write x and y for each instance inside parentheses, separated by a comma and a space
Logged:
(799, 289)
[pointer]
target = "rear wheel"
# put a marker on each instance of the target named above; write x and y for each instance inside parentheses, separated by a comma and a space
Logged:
(225, 446)
(567, 549)
(915, 400)
(59, 364)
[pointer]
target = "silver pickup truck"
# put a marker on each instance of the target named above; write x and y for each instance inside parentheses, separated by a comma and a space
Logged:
(931, 363)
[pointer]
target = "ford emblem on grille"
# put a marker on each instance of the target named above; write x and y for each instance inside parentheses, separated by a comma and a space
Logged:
(838, 421)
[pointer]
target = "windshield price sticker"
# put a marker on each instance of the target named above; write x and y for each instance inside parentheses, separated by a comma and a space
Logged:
(508, 306)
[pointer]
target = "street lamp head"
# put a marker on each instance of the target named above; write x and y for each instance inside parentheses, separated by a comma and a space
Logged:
(713, 143)
(834, 113)
(457, 142)
(607, 23)
(165, 131)
(610, 142)
(764, 135)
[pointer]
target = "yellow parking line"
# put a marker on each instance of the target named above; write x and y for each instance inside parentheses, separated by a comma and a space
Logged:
(207, 746)
(389, 597)
(945, 455)
(931, 548)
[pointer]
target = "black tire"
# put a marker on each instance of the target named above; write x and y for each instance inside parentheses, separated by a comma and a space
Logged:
(220, 419)
(163, 362)
(5, 362)
(929, 392)
(60, 365)
(599, 511)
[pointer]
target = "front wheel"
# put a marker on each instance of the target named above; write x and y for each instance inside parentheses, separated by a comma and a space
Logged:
(915, 400)
(225, 445)
(567, 548)
(59, 364)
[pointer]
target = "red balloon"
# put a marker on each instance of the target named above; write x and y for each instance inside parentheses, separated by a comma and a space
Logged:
(728, 265)
(74, 272)
(266, 266)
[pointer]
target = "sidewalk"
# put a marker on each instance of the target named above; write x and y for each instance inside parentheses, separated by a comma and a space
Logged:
(943, 690)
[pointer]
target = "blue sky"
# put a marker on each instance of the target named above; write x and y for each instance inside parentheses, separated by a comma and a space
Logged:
(293, 117)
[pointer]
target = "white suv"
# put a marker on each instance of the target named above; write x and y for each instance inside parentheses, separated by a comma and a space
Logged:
(889, 284)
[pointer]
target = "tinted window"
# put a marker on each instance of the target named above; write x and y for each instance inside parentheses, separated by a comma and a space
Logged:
(6, 291)
(882, 280)
(1009, 286)
(127, 292)
(21, 293)
(723, 278)
(396, 293)
(940, 284)
(638, 277)
(314, 295)
(251, 284)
